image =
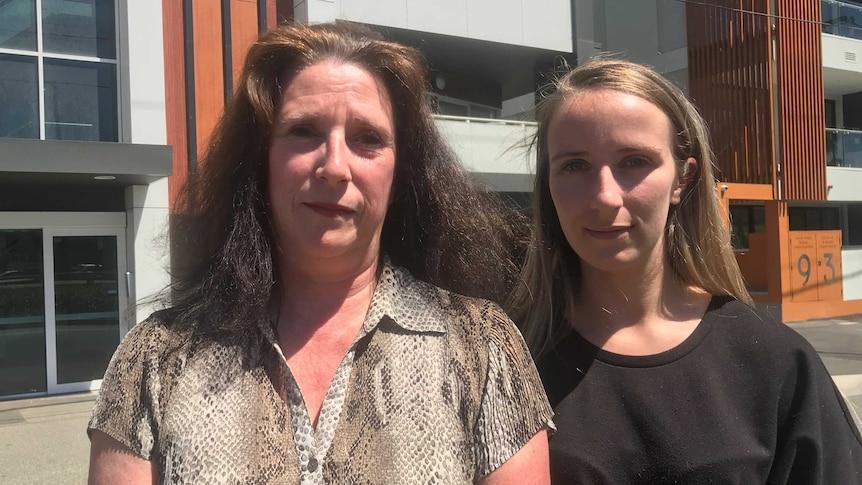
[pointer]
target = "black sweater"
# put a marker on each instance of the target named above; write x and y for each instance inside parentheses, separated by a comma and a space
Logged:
(743, 400)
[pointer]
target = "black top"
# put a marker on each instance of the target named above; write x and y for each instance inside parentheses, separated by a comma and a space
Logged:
(743, 400)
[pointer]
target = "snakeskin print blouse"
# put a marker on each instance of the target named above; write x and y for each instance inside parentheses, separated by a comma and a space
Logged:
(436, 388)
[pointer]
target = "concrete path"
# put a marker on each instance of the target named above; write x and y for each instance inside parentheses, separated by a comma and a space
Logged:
(43, 441)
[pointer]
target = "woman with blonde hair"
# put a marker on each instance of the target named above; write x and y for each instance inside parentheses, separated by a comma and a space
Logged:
(658, 366)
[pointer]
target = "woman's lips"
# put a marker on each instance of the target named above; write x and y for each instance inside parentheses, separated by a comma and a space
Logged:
(609, 233)
(328, 210)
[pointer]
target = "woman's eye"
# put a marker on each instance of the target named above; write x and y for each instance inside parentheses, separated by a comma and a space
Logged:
(301, 131)
(574, 165)
(369, 139)
(636, 162)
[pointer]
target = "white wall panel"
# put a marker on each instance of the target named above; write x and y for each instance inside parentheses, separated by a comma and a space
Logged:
(845, 183)
(142, 73)
(842, 53)
(448, 17)
(544, 24)
(851, 268)
(315, 11)
(147, 243)
(495, 20)
(547, 24)
(388, 13)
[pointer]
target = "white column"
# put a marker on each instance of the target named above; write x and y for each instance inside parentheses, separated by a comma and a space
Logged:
(147, 243)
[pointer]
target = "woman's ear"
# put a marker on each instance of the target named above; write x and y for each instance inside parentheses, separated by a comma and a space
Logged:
(687, 175)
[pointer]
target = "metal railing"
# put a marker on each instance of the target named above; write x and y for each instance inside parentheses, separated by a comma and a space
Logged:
(843, 148)
(488, 121)
(840, 18)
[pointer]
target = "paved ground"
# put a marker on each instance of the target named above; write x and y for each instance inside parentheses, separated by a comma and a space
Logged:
(839, 343)
(42, 441)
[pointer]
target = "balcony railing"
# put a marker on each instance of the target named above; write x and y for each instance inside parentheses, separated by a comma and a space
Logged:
(490, 146)
(843, 148)
(841, 18)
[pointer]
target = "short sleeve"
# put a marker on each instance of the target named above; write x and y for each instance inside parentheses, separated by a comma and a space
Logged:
(818, 442)
(127, 407)
(514, 405)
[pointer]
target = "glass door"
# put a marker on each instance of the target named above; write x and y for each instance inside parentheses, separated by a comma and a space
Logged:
(62, 296)
(85, 296)
(23, 367)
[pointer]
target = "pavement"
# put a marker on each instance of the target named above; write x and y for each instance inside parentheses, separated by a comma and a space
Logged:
(43, 440)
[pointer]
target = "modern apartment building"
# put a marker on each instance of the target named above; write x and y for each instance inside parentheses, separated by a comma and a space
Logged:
(102, 100)
(83, 187)
(780, 84)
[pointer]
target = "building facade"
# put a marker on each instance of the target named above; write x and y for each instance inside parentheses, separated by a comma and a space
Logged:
(106, 107)
(83, 187)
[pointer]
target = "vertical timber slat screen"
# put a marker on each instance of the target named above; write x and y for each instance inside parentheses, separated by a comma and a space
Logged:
(730, 80)
(800, 98)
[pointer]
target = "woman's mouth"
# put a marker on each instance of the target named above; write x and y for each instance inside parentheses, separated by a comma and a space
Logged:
(615, 232)
(326, 209)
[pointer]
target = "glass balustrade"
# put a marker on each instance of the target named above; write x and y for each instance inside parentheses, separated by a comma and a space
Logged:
(843, 148)
(841, 18)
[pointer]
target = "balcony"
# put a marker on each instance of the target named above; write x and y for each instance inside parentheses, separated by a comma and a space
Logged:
(492, 148)
(843, 19)
(843, 148)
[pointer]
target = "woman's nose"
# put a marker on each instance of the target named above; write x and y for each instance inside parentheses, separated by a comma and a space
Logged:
(334, 165)
(608, 193)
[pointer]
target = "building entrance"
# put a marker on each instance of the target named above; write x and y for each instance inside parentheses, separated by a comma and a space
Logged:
(62, 294)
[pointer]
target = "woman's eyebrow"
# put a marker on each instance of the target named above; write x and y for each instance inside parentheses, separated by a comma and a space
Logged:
(568, 154)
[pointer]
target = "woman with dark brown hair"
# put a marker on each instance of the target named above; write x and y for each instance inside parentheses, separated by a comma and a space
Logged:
(316, 330)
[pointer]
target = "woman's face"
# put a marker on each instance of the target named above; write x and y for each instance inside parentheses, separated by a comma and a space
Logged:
(612, 178)
(331, 162)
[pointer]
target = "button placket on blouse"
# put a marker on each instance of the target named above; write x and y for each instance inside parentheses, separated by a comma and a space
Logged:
(312, 444)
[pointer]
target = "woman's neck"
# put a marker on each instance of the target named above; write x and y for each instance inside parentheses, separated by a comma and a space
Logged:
(314, 297)
(639, 312)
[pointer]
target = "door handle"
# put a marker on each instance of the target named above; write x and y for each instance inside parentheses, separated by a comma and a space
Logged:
(129, 285)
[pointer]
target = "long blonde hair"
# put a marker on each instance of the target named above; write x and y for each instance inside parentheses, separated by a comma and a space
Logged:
(697, 241)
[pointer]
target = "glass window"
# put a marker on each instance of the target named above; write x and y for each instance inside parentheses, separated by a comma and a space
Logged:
(80, 27)
(18, 24)
(831, 118)
(80, 101)
(854, 225)
(814, 218)
(745, 220)
(452, 109)
(19, 97)
(671, 25)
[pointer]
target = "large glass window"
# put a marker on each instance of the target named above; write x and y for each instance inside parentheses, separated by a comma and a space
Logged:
(18, 24)
(58, 70)
(19, 97)
(80, 27)
(80, 101)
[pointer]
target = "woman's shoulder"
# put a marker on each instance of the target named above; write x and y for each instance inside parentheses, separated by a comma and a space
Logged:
(756, 331)
(455, 308)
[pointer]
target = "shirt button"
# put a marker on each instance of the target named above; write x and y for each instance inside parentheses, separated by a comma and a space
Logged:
(312, 464)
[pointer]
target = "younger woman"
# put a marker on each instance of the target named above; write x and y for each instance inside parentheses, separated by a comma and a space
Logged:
(659, 368)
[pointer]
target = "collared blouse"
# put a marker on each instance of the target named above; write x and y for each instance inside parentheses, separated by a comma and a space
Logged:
(436, 388)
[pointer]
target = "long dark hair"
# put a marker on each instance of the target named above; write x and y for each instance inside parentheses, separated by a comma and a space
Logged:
(441, 226)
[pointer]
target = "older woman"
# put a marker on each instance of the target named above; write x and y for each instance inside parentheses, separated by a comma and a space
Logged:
(310, 339)
(659, 368)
